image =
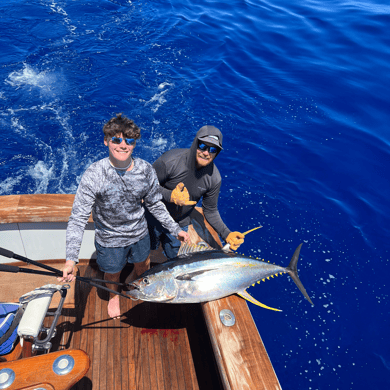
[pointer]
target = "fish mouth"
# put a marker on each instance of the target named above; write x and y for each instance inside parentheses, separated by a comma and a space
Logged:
(133, 290)
(134, 293)
(134, 286)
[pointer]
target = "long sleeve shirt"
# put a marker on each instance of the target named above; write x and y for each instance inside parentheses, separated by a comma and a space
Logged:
(179, 165)
(117, 201)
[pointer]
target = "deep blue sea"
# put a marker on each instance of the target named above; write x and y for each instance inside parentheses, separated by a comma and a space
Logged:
(301, 92)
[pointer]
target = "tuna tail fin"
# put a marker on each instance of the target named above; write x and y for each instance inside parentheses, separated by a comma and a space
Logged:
(244, 294)
(293, 272)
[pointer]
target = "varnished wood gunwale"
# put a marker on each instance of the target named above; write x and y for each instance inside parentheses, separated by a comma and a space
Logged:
(36, 372)
(241, 357)
(36, 208)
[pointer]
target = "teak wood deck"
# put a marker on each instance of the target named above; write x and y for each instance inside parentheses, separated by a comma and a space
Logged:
(152, 346)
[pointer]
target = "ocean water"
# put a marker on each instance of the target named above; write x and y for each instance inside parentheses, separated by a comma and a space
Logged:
(300, 90)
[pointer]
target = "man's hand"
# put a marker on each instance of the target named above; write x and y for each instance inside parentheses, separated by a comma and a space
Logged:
(181, 196)
(235, 239)
(183, 236)
(68, 272)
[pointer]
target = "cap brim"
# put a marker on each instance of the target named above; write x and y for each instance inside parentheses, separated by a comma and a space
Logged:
(210, 141)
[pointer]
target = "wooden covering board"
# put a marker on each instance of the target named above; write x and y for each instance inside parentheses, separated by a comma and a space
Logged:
(37, 372)
(36, 208)
(242, 359)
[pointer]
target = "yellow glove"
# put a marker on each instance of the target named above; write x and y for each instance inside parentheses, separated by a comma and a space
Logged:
(235, 239)
(181, 196)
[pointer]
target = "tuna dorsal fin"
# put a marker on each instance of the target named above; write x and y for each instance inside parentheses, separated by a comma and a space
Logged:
(190, 248)
(244, 294)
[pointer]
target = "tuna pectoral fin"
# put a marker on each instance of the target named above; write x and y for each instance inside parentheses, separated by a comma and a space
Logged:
(244, 294)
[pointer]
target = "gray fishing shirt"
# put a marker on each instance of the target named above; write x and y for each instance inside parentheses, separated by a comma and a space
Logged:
(115, 199)
(179, 165)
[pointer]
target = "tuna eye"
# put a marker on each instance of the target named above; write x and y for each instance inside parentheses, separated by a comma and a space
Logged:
(146, 281)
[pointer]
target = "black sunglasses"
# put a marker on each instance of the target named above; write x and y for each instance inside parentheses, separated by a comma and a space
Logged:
(203, 147)
(118, 140)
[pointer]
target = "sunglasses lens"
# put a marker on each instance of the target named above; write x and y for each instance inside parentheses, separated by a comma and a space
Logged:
(118, 140)
(210, 149)
(202, 147)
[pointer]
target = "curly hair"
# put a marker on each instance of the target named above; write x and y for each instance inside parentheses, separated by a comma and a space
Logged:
(121, 124)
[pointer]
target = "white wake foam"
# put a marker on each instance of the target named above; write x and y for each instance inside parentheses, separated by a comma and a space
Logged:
(46, 82)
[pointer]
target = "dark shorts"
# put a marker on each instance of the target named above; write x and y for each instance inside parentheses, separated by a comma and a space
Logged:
(113, 260)
(170, 244)
(158, 234)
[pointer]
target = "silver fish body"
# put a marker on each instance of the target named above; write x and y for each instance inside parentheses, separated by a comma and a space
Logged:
(204, 276)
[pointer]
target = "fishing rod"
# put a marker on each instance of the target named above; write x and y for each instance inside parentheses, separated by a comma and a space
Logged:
(54, 272)
(16, 269)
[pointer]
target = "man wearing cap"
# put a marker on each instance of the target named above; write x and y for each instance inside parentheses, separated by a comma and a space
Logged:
(186, 176)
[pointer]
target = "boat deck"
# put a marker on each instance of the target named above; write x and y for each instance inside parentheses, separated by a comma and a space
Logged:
(152, 346)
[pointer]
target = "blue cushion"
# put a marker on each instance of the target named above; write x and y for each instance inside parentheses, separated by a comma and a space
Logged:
(7, 315)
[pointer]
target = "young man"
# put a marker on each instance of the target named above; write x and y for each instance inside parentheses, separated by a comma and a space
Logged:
(115, 189)
(186, 176)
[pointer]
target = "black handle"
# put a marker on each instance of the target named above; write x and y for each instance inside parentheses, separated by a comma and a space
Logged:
(9, 268)
(15, 269)
(6, 253)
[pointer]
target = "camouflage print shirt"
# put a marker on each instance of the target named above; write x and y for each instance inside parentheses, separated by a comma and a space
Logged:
(117, 201)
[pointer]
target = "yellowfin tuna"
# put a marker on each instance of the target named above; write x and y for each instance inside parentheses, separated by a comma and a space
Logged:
(208, 275)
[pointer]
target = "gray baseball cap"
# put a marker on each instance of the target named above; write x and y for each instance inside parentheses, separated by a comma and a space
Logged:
(212, 140)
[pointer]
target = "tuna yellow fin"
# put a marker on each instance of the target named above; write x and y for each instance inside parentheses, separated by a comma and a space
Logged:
(244, 294)
(249, 231)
